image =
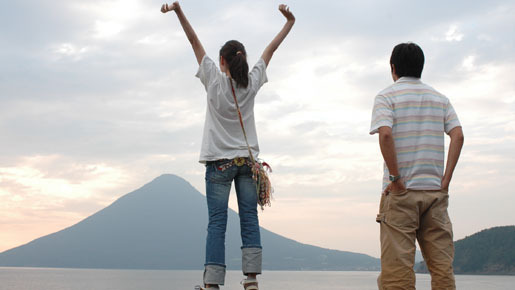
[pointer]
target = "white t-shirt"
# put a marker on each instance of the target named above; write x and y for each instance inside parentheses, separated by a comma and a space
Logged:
(223, 137)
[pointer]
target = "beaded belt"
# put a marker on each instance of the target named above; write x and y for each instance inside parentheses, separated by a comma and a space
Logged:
(238, 161)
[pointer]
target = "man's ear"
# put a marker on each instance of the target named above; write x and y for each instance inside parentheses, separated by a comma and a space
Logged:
(394, 73)
(222, 60)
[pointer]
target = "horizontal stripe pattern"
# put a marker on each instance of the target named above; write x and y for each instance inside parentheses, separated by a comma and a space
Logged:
(418, 116)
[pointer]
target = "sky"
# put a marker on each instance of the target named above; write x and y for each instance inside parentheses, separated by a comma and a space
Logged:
(99, 97)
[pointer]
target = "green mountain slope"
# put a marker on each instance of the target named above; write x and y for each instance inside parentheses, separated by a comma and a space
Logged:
(490, 251)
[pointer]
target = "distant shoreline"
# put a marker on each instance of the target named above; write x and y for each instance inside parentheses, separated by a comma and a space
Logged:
(231, 270)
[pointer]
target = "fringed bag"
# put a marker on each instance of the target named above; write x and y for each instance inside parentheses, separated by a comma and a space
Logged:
(260, 169)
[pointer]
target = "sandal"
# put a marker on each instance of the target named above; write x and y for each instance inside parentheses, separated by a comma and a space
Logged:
(198, 287)
(250, 284)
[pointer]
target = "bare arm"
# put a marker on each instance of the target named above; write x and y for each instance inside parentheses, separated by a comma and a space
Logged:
(387, 145)
(272, 47)
(198, 49)
(457, 140)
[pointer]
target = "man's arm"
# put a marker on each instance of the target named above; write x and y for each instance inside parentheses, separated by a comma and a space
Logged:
(272, 47)
(457, 140)
(198, 49)
(387, 145)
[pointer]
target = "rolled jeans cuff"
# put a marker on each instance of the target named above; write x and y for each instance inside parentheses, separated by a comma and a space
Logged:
(251, 260)
(214, 274)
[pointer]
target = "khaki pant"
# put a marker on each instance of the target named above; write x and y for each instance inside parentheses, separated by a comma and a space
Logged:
(404, 217)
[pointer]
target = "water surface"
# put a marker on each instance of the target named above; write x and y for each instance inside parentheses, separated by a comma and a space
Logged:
(98, 279)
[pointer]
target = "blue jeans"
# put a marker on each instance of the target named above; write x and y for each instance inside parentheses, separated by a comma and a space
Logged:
(218, 186)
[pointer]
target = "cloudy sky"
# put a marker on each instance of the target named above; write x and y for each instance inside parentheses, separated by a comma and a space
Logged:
(99, 97)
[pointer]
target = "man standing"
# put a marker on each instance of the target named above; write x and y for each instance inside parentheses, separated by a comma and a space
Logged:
(411, 118)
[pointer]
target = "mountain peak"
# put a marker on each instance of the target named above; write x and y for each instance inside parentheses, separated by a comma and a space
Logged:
(168, 177)
(166, 184)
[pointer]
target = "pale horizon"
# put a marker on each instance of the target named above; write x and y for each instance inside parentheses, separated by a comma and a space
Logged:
(98, 98)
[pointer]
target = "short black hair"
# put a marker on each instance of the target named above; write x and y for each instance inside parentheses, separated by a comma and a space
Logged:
(408, 60)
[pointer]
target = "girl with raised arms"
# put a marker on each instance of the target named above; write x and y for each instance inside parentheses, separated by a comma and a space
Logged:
(224, 151)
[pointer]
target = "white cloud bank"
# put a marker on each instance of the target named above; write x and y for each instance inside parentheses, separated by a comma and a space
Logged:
(103, 98)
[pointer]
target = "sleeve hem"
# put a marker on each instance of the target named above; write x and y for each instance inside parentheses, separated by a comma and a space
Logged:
(375, 129)
(200, 65)
(450, 127)
(265, 76)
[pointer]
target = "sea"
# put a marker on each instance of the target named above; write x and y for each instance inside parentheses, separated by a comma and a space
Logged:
(98, 279)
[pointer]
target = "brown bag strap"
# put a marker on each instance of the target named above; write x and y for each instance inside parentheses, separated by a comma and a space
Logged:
(241, 123)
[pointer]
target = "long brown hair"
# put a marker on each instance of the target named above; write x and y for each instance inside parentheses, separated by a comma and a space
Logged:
(235, 55)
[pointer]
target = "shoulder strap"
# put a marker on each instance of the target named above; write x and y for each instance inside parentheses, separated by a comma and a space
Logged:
(241, 122)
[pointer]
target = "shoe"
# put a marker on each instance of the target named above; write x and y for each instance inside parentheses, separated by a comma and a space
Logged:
(198, 287)
(250, 284)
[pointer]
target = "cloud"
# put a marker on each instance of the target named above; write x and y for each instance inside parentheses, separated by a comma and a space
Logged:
(468, 62)
(54, 176)
(107, 29)
(453, 34)
(101, 98)
(70, 50)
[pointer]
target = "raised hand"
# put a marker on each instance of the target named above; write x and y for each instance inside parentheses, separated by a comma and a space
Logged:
(198, 49)
(290, 21)
(285, 10)
(166, 8)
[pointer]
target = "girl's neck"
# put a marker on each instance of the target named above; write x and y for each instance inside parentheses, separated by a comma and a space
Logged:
(225, 70)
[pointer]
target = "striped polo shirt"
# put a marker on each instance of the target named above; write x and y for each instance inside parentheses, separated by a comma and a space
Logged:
(418, 116)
